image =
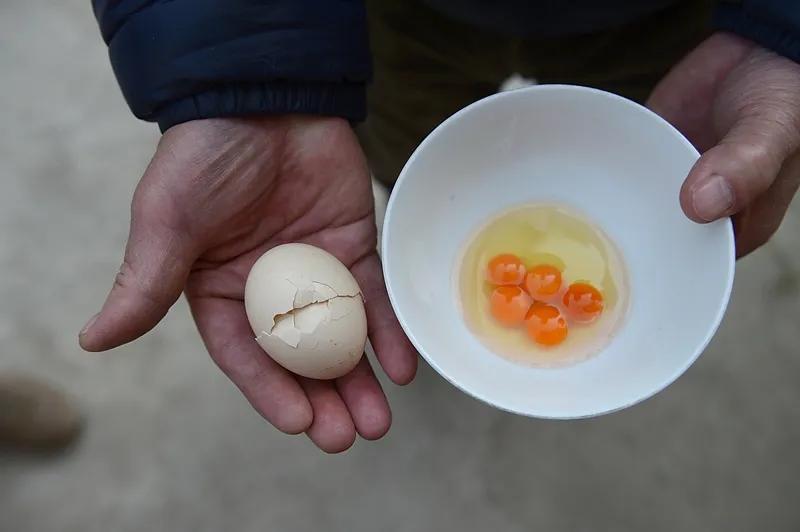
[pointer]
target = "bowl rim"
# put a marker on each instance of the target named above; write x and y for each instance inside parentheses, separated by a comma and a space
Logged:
(386, 239)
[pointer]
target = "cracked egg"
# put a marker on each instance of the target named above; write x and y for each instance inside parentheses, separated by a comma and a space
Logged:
(306, 311)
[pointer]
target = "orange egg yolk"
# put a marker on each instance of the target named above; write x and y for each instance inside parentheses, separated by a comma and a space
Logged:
(505, 270)
(584, 303)
(543, 281)
(509, 305)
(545, 324)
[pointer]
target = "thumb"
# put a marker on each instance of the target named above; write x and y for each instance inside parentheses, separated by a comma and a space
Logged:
(758, 108)
(741, 167)
(158, 258)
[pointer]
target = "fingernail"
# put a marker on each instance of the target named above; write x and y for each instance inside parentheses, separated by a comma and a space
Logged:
(89, 324)
(713, 198)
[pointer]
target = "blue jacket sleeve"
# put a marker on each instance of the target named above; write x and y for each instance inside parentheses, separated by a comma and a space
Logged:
(774, 24)
(180, 60)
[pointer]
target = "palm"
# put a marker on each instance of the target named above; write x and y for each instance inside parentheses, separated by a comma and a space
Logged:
(228, 190)
(285, 192)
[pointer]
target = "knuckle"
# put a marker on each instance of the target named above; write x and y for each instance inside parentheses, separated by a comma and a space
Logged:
(129, 278)
(757, 159)
(125, 276)
(761, 157)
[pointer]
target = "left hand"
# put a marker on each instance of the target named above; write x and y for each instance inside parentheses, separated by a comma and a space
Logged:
(739, 104)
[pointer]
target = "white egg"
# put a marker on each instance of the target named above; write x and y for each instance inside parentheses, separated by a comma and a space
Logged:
(306, 311)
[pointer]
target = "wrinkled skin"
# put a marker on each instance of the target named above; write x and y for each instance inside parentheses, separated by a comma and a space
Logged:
(740, 105)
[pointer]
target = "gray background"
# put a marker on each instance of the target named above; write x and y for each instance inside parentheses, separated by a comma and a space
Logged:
(172, 446)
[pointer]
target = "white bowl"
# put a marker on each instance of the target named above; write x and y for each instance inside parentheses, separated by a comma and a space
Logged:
(605, 156)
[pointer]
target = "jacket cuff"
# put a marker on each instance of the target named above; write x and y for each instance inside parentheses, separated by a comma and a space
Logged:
(181, 60)
(781, 35)
(329, 99)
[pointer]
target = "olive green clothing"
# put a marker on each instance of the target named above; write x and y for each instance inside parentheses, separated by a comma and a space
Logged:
(428, 66)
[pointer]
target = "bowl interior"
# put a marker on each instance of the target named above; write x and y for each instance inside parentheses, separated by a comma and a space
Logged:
(602, 155)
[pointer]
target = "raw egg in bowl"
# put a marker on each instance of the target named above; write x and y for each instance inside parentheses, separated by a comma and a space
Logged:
(537, 256)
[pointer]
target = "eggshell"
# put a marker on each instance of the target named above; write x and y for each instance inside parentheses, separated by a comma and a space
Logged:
(307, 311)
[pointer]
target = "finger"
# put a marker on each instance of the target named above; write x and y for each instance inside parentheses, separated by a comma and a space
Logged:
(364, 398)
(271, 389)
(158, 258)
(332, 429)
(395, 352)
(741, 167)
(759, 110)
(755, 225)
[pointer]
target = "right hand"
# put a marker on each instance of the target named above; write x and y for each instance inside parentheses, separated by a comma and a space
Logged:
(218, 194)
(739, 104)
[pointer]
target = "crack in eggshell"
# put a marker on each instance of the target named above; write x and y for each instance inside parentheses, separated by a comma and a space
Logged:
(311, 291)
(314, 303)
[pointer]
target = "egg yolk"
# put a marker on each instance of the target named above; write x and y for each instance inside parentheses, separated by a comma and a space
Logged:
(545, 324)
(584, 303)
(543, 281)
(509, 305)
(505, 270)
(513, 305)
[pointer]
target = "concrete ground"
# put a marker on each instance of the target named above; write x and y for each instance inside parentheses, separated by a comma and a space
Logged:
(172, 446)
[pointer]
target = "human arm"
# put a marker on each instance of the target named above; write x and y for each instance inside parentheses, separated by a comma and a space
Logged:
(221, 190)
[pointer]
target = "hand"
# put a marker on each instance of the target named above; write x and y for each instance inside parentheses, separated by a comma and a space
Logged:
(740, 105)
(219, 193)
